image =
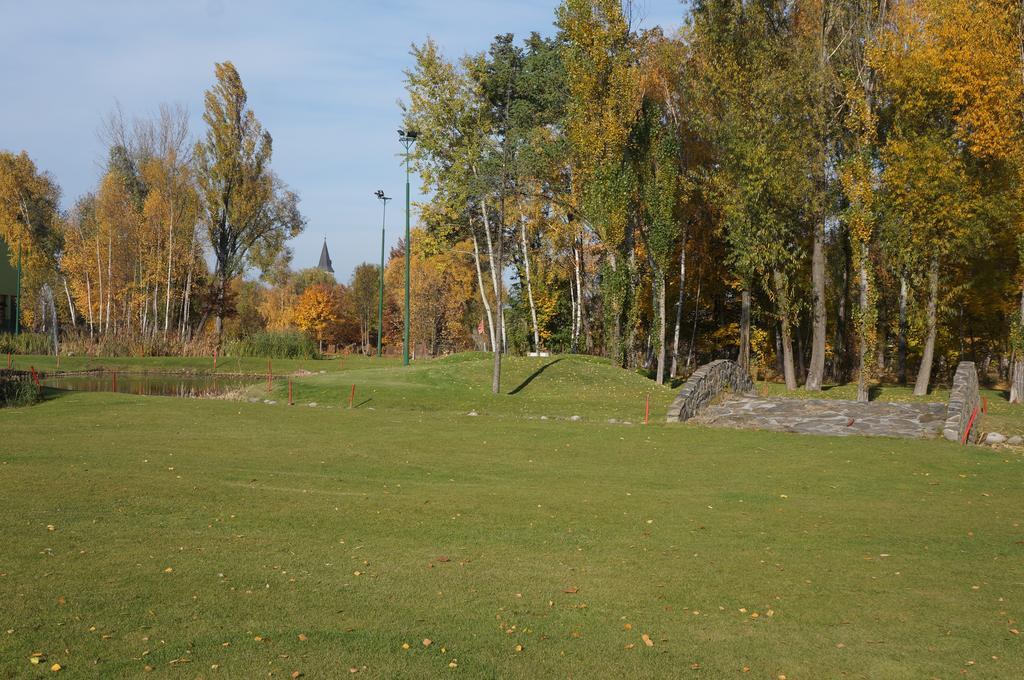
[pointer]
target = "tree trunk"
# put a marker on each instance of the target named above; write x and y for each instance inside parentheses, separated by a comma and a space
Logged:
(483, 292)
(572, 307)
(901, 342)
(500, 327)
(578, 271)
(816, 370)
(744, 356)
(110, 275)
(679, 309)
(170, 260)
(863, 356)
(1017, 375)
(88, 301)
(496, 270)
(186, 306)
(787, 332)
(662, 325)
(690, 353)
(529, 287)
(924, 373)
(218, 320)
(71, 305)
(840, 354)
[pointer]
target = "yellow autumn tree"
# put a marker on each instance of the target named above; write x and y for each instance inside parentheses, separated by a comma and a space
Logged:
(318, 312)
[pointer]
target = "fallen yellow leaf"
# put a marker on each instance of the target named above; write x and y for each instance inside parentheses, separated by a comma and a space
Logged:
(427, 642)
(647, 640)
(55, 668)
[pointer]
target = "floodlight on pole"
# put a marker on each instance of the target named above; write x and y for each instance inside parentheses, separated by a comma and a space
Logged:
(380, 289)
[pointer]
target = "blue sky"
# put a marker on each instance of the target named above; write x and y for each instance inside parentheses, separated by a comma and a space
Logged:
(323, 77)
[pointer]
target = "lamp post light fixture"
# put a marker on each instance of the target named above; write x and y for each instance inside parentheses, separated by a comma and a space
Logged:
(407, 138)
(380, 290)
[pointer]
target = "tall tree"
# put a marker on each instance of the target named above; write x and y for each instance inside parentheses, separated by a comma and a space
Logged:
(247, 212)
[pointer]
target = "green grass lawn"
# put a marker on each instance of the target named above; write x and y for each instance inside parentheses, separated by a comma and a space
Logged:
(212, 538)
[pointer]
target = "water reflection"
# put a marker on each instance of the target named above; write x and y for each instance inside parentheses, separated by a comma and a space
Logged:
(149, 384)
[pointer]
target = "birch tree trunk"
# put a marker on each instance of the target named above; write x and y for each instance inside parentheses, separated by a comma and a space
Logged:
(693, 333)
(496, 373)
(71, 305)
(924, 373)
(901, 341)
(170, 261)
(110, 275)
(88, 301)
(99, 283)
(679, 309)
(572, 310)
(500, 328)
(529, 286)
(578, 271)
(483, 293)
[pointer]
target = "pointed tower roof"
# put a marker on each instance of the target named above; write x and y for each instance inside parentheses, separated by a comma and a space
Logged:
(325, 259)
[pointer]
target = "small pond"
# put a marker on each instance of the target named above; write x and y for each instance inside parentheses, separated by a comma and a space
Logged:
(150, 384)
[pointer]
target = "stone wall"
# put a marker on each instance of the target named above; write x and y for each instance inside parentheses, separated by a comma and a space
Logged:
(706, 383)
(963, 400)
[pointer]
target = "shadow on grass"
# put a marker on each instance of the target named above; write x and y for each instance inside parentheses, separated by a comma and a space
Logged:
(364, 402)
(530, 378)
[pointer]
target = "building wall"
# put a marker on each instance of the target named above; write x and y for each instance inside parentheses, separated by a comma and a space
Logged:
(8, 289)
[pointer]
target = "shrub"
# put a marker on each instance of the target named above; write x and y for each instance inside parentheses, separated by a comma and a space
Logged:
(273, 345)
(17, 389)
(25, 343)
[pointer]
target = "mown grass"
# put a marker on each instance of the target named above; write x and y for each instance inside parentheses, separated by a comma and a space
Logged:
(182, 525)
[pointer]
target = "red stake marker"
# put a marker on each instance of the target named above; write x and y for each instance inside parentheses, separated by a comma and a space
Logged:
(970, 424)
(984, 405)
(647, 409)
(290, 402)
(352, 395)
(215, 359)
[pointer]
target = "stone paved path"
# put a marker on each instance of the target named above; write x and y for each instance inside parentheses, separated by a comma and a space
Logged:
(826, 416)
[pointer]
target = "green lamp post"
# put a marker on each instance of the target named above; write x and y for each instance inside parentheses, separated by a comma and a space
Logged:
(407, 138)
(380, 289)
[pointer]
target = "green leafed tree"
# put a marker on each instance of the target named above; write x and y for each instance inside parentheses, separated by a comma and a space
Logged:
(248, 213)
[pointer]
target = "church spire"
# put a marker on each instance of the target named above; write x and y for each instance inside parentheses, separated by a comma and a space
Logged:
(325, 259)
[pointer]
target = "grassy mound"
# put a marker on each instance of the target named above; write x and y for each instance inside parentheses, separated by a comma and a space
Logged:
(556, 387)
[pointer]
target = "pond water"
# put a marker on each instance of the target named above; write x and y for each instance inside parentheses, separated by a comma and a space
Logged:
(150, 384)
